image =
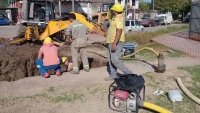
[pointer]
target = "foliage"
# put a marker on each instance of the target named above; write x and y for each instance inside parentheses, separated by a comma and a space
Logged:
(3, 3)
(171, 5)
(144, 5)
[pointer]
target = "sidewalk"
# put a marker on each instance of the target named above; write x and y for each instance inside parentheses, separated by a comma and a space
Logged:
(183, 44)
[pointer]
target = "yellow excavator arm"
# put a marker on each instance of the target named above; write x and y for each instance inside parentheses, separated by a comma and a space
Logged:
(55, 26)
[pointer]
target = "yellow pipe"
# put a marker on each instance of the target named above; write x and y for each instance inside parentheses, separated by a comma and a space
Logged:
(155, 107)
(145, 48)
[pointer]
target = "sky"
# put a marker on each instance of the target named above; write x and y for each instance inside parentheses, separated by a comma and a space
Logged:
(147, 0)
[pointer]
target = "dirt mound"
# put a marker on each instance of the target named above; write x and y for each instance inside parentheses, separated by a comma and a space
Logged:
(18, 61)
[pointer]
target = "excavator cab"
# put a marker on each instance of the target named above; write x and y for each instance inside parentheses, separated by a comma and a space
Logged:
(39, 11)
(106, 7)
(104, 16)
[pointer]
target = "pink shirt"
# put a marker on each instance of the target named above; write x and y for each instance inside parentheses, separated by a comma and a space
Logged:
(49, 54)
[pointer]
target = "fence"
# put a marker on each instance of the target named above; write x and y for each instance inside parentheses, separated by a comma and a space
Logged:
(194, 30)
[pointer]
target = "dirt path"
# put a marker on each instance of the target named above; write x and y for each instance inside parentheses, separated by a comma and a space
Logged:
(83, 93)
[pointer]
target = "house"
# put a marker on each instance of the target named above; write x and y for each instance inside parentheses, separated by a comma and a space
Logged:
(80, 6)
(141, 13)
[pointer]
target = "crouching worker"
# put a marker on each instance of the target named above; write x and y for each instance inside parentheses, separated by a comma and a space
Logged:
(69, 65)
(48, 58)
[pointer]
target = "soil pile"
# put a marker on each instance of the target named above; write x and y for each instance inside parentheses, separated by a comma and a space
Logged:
(18, 61)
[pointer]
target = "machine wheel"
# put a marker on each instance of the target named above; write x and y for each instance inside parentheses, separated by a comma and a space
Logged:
(129, 31)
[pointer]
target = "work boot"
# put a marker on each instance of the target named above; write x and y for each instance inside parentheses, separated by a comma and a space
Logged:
(74, 72)
(110, 78)
(58, 73)
(46, 75)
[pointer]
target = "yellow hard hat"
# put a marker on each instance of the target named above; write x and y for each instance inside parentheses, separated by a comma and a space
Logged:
(64, 59)
(47, 40)
(117, 7)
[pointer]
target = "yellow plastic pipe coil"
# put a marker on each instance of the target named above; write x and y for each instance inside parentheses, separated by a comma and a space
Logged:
(187, 92)
(155, 107)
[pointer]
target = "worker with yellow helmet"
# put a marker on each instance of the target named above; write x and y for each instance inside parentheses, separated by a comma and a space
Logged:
(48, 58)
(69, 65)
(115, 39)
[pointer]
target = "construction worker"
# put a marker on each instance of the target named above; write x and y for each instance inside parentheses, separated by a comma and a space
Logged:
(115, 39)
(48, 58)
(39, 12)
(76, 35)
(69, 65)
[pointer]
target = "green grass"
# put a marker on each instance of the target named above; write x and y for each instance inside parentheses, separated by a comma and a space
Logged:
(195, 75)
(51, 89)
(145, 37)
(149, 55)
(65, 97)
(152, 82)
(94, 91)
(185, 106)
(68, 97)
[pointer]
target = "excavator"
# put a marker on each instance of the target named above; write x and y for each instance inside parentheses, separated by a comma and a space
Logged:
(104, 16)
(40, 22)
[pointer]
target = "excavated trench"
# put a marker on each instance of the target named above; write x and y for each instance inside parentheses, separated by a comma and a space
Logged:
(18, 61)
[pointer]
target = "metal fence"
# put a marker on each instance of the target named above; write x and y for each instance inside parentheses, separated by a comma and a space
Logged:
(194, 30)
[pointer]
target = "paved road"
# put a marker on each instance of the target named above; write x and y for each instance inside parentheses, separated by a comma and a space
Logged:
(10, 31)
(152, 29)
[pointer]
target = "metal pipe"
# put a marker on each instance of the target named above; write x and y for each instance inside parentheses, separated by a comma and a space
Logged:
(88, 5)
(59, 4)
(126, 8)
(153, 4)
(72, 5)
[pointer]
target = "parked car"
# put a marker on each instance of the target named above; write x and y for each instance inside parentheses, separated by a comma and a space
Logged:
(186, 19)
(133, 25)
(4, 16)
(166, 18)
(147, 22)
(3, 21)
(157, 21)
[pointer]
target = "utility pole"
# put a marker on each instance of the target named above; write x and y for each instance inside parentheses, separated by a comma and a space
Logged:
(183, 9)
(59, 4)
(72, 5)
(126, 8)
(152, 4)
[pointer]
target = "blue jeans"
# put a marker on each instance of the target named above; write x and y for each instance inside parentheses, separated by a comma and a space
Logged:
(114, 60)
(43, 69)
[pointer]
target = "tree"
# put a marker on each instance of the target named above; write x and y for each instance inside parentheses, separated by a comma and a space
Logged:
(144, 5)
(170, 5)
(3, 3)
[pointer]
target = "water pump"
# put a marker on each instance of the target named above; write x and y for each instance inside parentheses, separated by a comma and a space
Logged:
(124, 93)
